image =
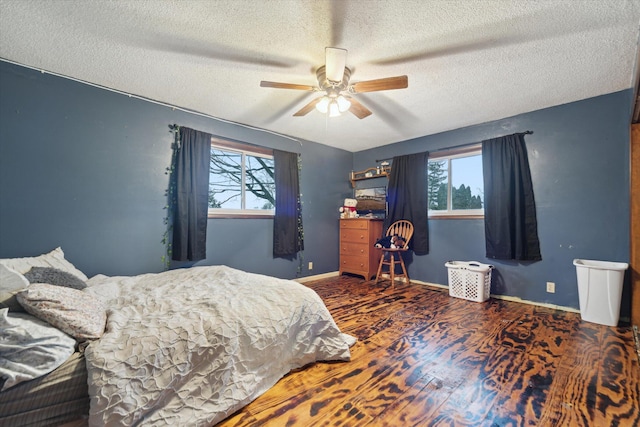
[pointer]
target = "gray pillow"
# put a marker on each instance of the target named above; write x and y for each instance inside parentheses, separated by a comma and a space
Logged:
(53, 276)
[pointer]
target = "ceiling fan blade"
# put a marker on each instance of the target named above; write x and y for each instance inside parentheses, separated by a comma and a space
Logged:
(335, 61)
(307, 108)
(359, 110)
(398, 82)
(277, 85)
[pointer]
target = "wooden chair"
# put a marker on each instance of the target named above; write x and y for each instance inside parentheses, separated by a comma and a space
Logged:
(392, 257)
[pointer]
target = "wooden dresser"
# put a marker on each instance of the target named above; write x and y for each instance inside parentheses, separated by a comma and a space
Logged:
(357, 254)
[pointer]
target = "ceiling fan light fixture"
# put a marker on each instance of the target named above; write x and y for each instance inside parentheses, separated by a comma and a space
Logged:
(323, 105)
(333, 81)
(343, 103)
(334, 110)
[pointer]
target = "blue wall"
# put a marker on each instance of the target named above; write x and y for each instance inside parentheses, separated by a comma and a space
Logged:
(84, 168)
(579, 158)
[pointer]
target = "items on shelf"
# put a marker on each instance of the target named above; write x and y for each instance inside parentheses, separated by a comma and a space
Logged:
(383, 170)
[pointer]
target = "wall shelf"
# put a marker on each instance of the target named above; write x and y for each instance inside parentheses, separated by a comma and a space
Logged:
(370, 173)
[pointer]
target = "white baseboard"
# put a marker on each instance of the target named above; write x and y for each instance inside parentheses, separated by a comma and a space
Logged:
(444, 287)
(317, 277)
(508, 298)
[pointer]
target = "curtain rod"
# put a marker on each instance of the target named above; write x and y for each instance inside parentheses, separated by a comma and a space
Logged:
(528, 132)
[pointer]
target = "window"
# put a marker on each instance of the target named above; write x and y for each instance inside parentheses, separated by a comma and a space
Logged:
(241, 180)
(455, 183)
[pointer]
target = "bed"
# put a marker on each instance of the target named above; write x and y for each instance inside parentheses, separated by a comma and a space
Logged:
(183, 347)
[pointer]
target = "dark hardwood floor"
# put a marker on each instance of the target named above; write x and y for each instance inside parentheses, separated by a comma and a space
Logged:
(424, 358)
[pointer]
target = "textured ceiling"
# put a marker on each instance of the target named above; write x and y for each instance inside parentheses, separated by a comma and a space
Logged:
(468, 62)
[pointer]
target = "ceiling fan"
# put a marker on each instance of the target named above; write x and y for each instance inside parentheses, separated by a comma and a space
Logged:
(333, 79)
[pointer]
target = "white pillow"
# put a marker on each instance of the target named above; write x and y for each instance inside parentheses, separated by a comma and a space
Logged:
(11, 282)
(54, 259)
(29, 348)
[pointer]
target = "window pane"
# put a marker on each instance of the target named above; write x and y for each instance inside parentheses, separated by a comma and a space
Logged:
(260, 185)
(437, 185)
(225, 180)
(467, 187)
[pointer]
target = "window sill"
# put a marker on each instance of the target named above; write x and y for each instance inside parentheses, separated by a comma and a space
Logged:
(239, 215)
(456, 217)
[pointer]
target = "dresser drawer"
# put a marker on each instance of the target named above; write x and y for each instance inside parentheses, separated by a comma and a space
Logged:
(361, 224)
(354, 263)
(354, 235)
(351, 248)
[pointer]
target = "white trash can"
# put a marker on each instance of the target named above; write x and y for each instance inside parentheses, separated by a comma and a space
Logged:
(600, 290)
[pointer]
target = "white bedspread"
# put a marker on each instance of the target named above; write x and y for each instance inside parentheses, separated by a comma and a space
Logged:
(192, 346)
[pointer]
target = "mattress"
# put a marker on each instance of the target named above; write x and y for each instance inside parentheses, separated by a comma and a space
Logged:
(50, 400)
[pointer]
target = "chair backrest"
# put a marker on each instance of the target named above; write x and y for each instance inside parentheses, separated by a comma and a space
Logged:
(402, 228)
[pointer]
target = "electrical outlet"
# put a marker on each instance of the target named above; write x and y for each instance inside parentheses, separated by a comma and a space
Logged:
(310, 265)
(551, 287)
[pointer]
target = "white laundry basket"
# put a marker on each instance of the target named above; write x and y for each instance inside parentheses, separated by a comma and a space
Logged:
(600, 290)
(469, 280)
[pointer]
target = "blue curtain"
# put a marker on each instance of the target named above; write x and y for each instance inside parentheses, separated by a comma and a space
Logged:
(407, 198)
(511, 227)
(288, 237)
(192, 195)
